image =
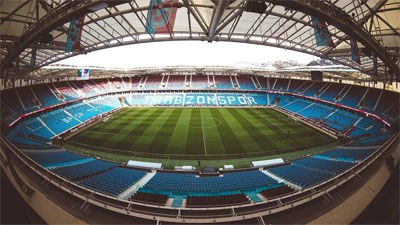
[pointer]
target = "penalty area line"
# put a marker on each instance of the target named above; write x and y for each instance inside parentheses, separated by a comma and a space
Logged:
(204, 137)
(270, 121)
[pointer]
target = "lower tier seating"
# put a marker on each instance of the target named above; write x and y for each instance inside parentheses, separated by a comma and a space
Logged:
(299, 175)
(328, 166)
(187, 182)
(349, 154)
(149, 198)
(113, 182)
(215, 201)
(84, 170)
(276, 192)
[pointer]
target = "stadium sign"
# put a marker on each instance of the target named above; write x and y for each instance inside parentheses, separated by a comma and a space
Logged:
(194, 99)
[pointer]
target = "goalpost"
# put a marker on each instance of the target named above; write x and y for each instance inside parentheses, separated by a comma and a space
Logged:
(106, 118)
(295, 119)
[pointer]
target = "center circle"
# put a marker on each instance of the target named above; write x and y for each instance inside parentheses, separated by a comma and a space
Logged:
(204, 120)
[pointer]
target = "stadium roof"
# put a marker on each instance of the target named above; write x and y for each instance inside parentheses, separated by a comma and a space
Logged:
(374, 24)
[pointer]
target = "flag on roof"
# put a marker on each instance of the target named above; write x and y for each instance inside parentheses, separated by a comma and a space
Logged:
(355, 54)
(161, 16)
(83, 74)
(322, 35)
(74, 35)
(32, 63)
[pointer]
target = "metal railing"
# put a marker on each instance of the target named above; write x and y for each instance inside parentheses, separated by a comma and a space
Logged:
(212, 214)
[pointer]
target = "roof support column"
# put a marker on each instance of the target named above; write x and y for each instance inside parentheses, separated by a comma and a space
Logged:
(218, 11)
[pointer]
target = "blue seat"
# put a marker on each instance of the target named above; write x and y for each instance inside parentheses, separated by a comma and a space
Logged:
(113, 182)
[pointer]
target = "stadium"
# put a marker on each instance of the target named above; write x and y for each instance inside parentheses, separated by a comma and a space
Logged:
(281, 143)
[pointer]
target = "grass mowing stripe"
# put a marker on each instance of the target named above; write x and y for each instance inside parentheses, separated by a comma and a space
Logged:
(179, 136)
(119, 118)
(194, 143)
(118, 123)
(232, 144)
(247, 121)
(226, 131)
(162, 137)
(214, 141)
(243, 131)
(291, 121)
(123, 139)
(280, 139)
(202, 129)
(262, 117)
(148, 133)
(273, 122)
(308, 134)
(126, 142)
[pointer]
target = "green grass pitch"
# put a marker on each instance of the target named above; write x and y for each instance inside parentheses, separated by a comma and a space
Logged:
(199, 132)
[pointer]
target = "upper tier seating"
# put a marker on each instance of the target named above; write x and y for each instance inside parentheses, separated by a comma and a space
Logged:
(46, 97)
(27, 98)
(295, 84)
(281, 84)
(263, 82)
(102, 85)
(245, 83)
(98, 89)
(387, 100)
(187, 182)
(66, 90)
(303, 86)
(223, 82)
(331, 92)
(353, 96)
(388, 106)
(117, 84)
(199, 81)
(152, 82)
(83, 88)
(175, 82)
(10, 100)
(135, 81)
(114, 181)
(7, 116)
(315, 89)
(371, 98)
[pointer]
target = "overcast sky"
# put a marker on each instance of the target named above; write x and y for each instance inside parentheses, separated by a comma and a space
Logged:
(186, 53)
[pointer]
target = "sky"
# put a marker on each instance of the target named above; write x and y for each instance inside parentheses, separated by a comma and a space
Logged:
(197, 53)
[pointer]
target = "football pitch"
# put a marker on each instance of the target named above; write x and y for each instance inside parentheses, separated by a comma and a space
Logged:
(199, 133)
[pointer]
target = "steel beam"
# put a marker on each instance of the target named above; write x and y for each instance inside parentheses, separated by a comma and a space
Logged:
(338, 18)
(56, 18)
(218, 12)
